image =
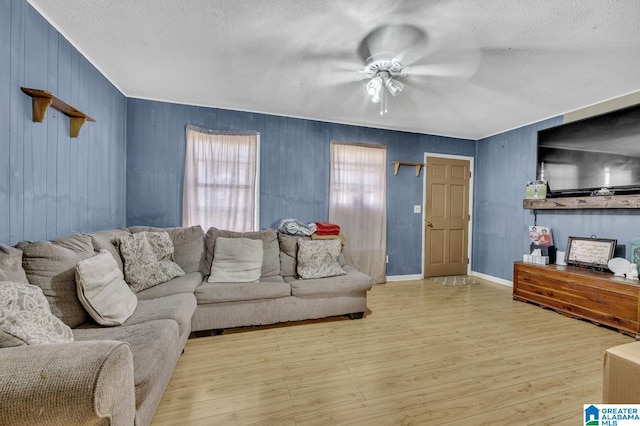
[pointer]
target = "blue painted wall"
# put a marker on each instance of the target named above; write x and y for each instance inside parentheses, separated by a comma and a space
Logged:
(294, 169)
(127, 167)
(50, 184)
(504, 163)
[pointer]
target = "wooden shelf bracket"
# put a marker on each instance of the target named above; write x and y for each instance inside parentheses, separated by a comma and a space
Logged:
(42, 100)
(397, 164)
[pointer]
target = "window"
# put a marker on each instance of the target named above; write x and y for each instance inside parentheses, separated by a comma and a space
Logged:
(221, 180)
(357, 202)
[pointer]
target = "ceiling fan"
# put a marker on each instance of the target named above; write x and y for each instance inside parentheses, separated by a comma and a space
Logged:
(382, 51)
(393, 54)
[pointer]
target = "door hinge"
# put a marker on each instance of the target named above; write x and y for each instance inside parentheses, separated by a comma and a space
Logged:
(467, 261)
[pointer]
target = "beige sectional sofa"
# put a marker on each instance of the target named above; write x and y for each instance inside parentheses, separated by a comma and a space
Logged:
(117, 374)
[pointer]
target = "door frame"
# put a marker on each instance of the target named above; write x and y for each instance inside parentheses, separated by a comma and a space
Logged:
(424, 204)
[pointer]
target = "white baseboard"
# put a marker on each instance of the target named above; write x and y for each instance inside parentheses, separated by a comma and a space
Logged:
(391, 278)
(492, 278)
(501, 281)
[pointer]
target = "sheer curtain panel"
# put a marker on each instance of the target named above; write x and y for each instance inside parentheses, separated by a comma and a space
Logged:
(357, 202)
(221, 180)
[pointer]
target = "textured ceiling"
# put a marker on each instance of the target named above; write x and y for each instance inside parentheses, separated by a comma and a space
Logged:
(484, 67)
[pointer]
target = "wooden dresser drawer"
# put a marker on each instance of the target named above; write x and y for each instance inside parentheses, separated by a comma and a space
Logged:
(596, 296)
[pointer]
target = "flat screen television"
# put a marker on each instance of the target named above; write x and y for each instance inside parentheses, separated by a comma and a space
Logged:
(579, 158)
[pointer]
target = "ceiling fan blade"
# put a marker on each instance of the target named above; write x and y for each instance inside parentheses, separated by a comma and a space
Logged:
(460, 69)
(390, 39)
(448, 54)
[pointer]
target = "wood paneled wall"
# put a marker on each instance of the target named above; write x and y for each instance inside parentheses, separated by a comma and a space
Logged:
(294, 169)
(504, 164)
(50, 184)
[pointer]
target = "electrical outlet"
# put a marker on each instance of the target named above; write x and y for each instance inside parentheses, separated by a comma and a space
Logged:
(417, 208)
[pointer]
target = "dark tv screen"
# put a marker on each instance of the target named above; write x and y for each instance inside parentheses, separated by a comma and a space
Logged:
(594, 153)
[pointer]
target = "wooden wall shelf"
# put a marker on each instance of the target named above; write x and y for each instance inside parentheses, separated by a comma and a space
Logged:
(397, 164)
(42, 100)
(596, 202)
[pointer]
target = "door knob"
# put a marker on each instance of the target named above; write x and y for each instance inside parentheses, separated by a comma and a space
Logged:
(430, 225)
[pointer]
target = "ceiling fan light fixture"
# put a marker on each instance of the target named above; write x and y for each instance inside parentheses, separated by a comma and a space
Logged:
(383, 72)
(374, 85)
(394, 86)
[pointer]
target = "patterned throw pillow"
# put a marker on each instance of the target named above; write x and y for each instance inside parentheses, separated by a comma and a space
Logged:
(26, 319)
(148, 259)
(319, 258)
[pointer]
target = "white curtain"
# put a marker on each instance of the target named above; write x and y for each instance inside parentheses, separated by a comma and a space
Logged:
(221, 180)
(357, 203)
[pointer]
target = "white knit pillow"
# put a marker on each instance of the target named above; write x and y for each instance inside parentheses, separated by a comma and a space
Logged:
(236, 260)
(26, 318)
(103, 291)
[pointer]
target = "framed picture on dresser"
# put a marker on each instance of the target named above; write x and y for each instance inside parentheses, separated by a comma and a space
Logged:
(590, 252)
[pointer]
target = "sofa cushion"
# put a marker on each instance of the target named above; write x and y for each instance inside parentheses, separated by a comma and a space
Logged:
(188, 245)
(51, 265)
(11, 265)
(102, 290)
(177, 307)
(270, 259)
(353, 281)
(107, 240)
(289, 254)
(236, 292)
(187, 283)
(148, 259)
(319, 259)
(236, 260)
(26, 319)
(153, 345)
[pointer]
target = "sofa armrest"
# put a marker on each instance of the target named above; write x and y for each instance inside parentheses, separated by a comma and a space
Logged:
(87, 383)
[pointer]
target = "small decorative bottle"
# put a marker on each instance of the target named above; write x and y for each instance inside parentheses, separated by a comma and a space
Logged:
(633, 272)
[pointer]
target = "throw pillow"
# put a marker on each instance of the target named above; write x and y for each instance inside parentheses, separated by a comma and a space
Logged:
(148, 259)
(103, 291)
(26, 319)
(319, 258)
(11, 265)
(188, 245)
(236, 260)
(51, 265)
(269, 237)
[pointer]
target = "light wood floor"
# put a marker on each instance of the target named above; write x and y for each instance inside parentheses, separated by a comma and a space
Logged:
(425, 354)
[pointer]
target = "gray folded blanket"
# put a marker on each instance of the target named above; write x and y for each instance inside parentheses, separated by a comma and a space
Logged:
(296, 227)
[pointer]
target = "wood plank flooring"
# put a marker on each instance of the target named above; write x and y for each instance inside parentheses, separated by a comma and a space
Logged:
(425, 354)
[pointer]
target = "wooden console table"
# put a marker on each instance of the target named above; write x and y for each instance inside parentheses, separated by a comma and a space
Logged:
(598, 297)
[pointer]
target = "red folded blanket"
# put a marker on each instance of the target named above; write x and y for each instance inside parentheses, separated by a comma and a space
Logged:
(324, 228)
